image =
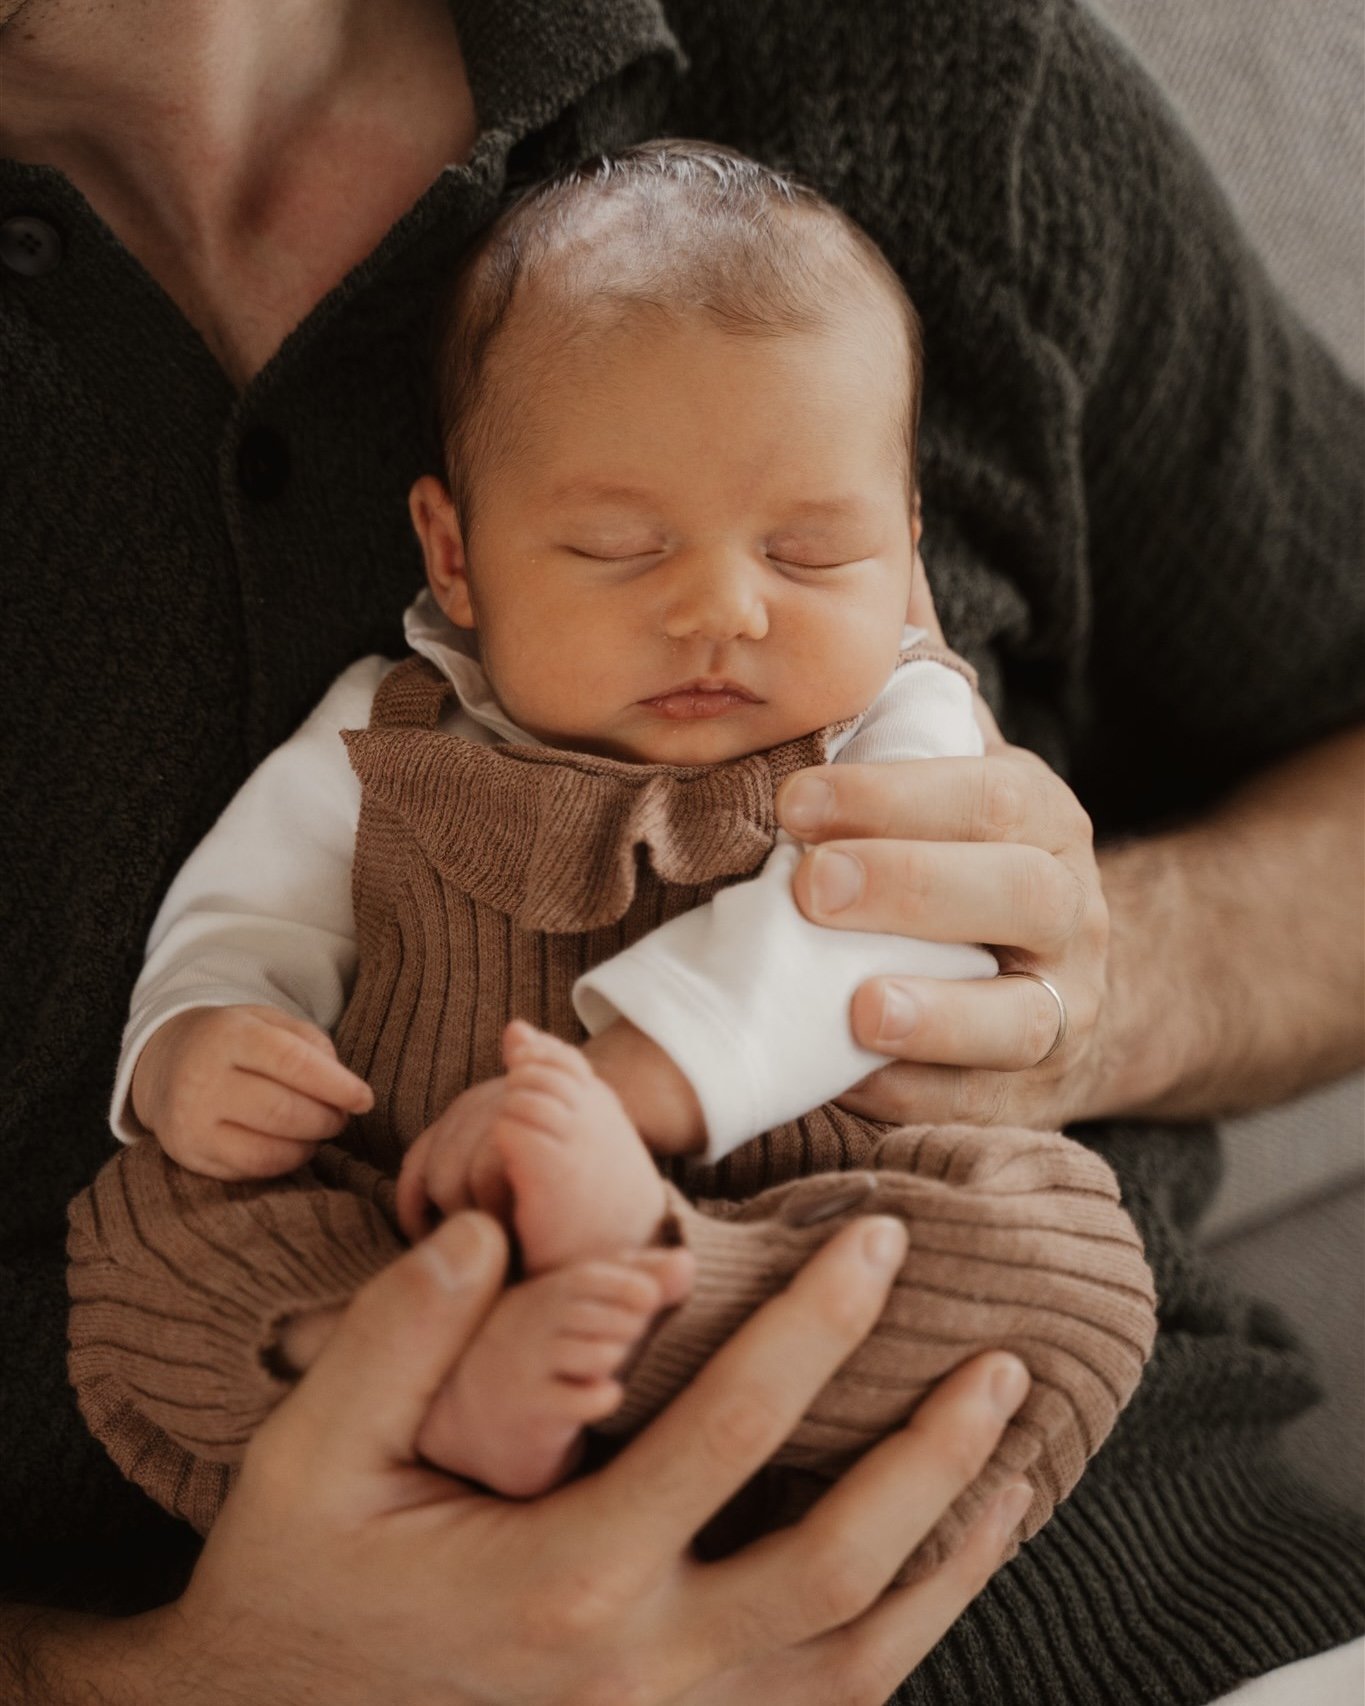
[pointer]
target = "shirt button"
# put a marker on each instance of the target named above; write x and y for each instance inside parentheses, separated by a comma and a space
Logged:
(29, 246)
(262, 463)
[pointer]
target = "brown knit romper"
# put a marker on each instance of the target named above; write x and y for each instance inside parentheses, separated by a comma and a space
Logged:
(487, 879)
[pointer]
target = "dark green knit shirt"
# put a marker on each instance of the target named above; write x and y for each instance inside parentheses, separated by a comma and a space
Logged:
(1143, 524)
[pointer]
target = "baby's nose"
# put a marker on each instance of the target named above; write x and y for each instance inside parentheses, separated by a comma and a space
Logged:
(720, 599)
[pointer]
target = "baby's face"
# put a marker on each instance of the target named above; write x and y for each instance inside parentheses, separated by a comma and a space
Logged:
(702, 547)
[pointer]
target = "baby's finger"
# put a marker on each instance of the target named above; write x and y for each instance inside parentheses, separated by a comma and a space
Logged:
(266, 1105)
(237, 1152)
(411, 1201)
(487, 1184)
(299, 1055)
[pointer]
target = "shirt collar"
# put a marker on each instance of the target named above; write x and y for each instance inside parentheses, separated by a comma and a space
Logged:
(528, 60)
(454, 651)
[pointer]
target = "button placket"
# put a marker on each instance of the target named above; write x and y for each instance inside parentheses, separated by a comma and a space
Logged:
(262, 463)
(30, 246)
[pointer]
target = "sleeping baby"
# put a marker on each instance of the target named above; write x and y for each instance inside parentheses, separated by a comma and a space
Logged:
(511, 919)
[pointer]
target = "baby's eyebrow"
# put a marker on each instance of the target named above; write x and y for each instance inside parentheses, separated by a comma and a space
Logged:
(834, 508)
(601, 491)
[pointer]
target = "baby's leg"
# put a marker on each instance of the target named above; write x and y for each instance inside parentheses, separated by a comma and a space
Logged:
(582, 1182)
(543, 1368)
(1017, 1241)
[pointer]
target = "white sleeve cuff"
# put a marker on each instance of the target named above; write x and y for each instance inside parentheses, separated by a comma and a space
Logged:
(261, 911)
(751, 1000)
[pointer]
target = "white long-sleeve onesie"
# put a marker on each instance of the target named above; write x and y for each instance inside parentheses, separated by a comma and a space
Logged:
(748, 997)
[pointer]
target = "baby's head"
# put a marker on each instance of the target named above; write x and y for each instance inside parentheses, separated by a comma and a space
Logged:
(679, 398)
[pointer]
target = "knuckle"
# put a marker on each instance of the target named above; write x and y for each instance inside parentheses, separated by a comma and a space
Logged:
(738, 1430)
(1077, 823)
(405, 1288)
(618, 1688)
(1003, 803)
(914, 873)
(582, 1605)
(961, 1451)
(978, 1097)
(1095, 925)
(869, 1675)
(277, 1110)
(1038, 1023)
(837, 1590)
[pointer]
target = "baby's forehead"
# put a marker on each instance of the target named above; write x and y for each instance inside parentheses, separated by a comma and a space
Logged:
(684, 236)
(588, 299)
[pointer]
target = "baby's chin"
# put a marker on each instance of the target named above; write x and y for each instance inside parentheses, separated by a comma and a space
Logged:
(712, 740)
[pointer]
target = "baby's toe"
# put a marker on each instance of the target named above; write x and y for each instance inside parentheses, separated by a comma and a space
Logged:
(574, 1358)
(533, 1110)
(588, 1401)
(524, 1044)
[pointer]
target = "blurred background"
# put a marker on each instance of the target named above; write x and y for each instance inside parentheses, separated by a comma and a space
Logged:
(1274, 93)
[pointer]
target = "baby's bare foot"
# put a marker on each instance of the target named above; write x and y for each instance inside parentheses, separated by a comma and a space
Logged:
(543, 1368)
(582, 1181)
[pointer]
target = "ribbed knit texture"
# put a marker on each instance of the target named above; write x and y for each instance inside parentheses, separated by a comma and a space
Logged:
(1143, 524)
(486, 880)
(1017, 1242)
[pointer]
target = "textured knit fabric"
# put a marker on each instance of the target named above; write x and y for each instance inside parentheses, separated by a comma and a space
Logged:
(1142, 511)
(520, 864)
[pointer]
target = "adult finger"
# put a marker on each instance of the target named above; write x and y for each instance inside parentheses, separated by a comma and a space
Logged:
(1018, 896)
(649, 1503)
(298, 1054)
(1002, 1024)
(1011, 796)
(826, 1570)
(360, 1407)
(904, 1093)
(869, 1659)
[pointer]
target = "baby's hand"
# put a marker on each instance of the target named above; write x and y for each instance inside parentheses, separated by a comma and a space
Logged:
(243, 1092)
(453, 1165)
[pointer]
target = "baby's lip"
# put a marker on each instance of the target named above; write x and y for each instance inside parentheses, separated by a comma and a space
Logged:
(706, 684)
(704, 697)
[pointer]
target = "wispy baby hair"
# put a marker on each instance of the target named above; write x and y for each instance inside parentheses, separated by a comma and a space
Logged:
(672, 227)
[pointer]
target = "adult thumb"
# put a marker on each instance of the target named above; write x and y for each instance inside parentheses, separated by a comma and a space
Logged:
(360, 1406)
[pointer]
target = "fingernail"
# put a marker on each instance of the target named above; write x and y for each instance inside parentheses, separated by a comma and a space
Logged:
(805, 803)
(453, 1252)
(883, 1243)
(1008, 1510)
(836, 880)
(1008, 1385)
(900, 1010)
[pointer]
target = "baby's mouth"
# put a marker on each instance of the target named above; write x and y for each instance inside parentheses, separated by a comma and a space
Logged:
(707, 696)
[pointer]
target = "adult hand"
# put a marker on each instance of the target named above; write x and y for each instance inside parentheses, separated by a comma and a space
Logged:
(995, 850)
(341, 1562)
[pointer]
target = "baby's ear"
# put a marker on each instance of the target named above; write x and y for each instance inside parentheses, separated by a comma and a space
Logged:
(916, 522)
(438, 532)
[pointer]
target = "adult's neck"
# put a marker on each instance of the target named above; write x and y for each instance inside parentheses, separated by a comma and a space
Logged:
(248, 151)
(192, 108)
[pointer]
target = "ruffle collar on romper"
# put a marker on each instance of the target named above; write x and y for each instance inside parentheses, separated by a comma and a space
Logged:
(553, 839)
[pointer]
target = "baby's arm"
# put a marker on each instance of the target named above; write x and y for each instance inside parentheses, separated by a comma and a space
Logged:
(226, 1057)
(745, 1001)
